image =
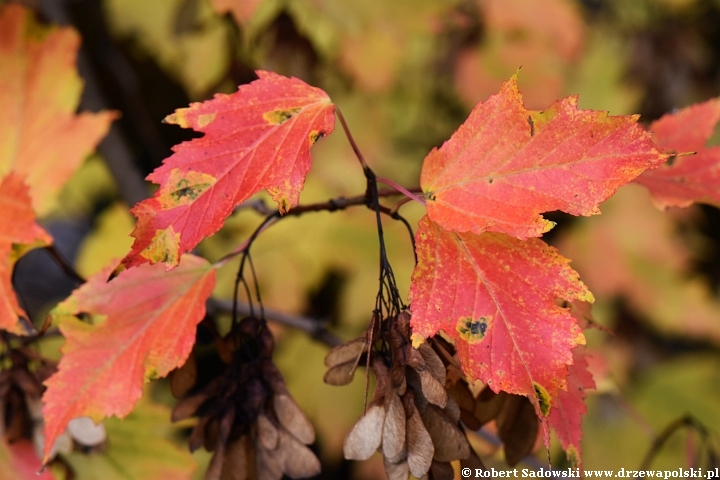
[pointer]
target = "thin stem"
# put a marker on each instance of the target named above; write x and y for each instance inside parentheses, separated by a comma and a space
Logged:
(687, 421)
(392, 305)
(64, 264)
(401, 189)
(269, 220)
(350, 138)
(399, 204)
(400, 218)
(257, 285)
(332, 205)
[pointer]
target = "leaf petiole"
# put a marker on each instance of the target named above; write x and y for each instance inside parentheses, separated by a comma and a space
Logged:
(350, 138)
(401, 189)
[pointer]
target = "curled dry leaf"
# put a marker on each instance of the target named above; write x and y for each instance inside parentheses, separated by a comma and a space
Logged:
(366, 435)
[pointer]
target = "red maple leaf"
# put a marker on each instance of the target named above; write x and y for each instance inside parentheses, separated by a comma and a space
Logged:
(148, 326)
(18, 233)
(257, 138)
(688, 178)
(566, 414)
(496, 297)
(506, 165)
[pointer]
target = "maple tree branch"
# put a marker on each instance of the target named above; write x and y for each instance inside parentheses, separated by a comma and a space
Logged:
(332, 205)
(350, 138)
(258, 205)
(393, 305)
(315, 328)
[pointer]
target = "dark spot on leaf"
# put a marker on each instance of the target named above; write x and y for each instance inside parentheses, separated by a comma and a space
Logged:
(670, 160)
(278, 117)
(490, 181)
(473, 330)
(315, 136)
(185, 191)
(543, 398)
(532, 125)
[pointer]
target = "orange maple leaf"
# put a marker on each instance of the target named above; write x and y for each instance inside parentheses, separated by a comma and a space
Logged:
(506, 165)
(690, 178)
(148, 326)
(18, 233)
(41, 137)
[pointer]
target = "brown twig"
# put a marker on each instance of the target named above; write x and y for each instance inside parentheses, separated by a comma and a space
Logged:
(332, 205)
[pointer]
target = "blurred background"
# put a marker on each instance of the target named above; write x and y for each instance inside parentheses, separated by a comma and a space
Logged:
(406, 74)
